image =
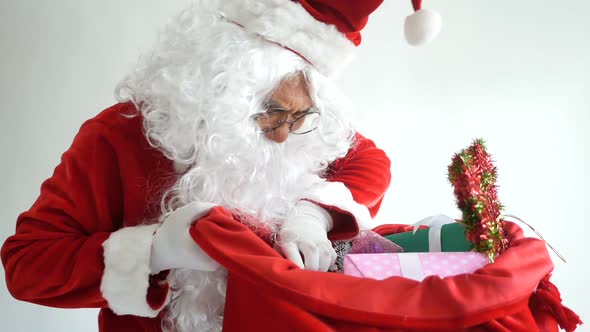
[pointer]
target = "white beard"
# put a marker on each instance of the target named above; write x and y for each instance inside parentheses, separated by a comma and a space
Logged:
(253, 175)
(262, 180)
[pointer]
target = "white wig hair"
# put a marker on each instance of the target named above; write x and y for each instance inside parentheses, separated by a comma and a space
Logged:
(197, 92)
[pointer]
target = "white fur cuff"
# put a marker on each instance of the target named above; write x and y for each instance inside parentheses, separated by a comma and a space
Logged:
(336, 194)
(125, 280)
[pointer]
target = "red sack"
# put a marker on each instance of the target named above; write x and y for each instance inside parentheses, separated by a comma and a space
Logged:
(269, 293)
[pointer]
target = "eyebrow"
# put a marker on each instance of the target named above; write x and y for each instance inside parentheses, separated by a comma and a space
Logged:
(273, 107)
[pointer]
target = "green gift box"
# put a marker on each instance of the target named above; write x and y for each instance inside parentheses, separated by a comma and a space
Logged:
(450, 236)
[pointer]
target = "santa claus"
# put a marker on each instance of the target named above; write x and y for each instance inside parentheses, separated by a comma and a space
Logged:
(234, 109)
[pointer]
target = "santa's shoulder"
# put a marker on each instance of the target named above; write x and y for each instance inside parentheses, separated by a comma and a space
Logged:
(121, 116)
(121, 127)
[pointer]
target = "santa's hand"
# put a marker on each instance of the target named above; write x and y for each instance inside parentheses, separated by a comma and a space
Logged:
(172, 245)
(304, 233)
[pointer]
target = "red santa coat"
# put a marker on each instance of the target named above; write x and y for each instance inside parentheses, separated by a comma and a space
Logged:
(85, 242)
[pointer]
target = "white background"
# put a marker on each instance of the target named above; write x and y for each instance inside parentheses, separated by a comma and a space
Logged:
(514, 72)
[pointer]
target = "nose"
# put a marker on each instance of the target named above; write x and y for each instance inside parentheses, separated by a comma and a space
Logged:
(279, 135)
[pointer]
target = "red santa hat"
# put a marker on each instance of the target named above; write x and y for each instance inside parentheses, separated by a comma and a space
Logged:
(323, 32)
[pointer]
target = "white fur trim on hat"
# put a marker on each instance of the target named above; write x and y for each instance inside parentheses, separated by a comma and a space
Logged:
(336, 194)
(288, 24)
(125, 280)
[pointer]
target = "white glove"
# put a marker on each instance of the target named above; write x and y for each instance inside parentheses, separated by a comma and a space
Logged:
(305, 232)
(172, 245)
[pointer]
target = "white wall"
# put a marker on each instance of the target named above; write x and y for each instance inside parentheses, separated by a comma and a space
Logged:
(515, 73)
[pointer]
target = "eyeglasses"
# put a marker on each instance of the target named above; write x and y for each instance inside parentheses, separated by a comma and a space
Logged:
(303, 122)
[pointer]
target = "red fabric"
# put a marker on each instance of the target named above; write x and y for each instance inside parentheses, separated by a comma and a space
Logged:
(158, 290)
(108, 179)
(365, 172)
(546, 304)
(269, 293)
(350, 17)
(417, 4)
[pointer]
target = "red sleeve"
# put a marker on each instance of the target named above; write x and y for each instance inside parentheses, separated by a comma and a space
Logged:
(354, 188)
(57, 255)
(365, 171)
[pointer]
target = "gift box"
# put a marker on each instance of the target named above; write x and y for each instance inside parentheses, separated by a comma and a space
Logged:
(415, 266)
(447, 238)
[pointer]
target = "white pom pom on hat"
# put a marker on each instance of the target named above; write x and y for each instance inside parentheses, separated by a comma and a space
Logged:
(423, 26)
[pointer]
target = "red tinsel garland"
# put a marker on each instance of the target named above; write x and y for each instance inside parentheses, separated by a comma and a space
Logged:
(473, 176)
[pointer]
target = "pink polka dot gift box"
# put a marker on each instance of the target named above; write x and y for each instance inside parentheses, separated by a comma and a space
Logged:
(415, 265)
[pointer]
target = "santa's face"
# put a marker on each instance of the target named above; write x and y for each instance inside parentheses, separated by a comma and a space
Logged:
(288, 109)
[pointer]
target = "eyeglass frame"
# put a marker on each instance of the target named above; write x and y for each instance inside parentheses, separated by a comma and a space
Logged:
(310, 111)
